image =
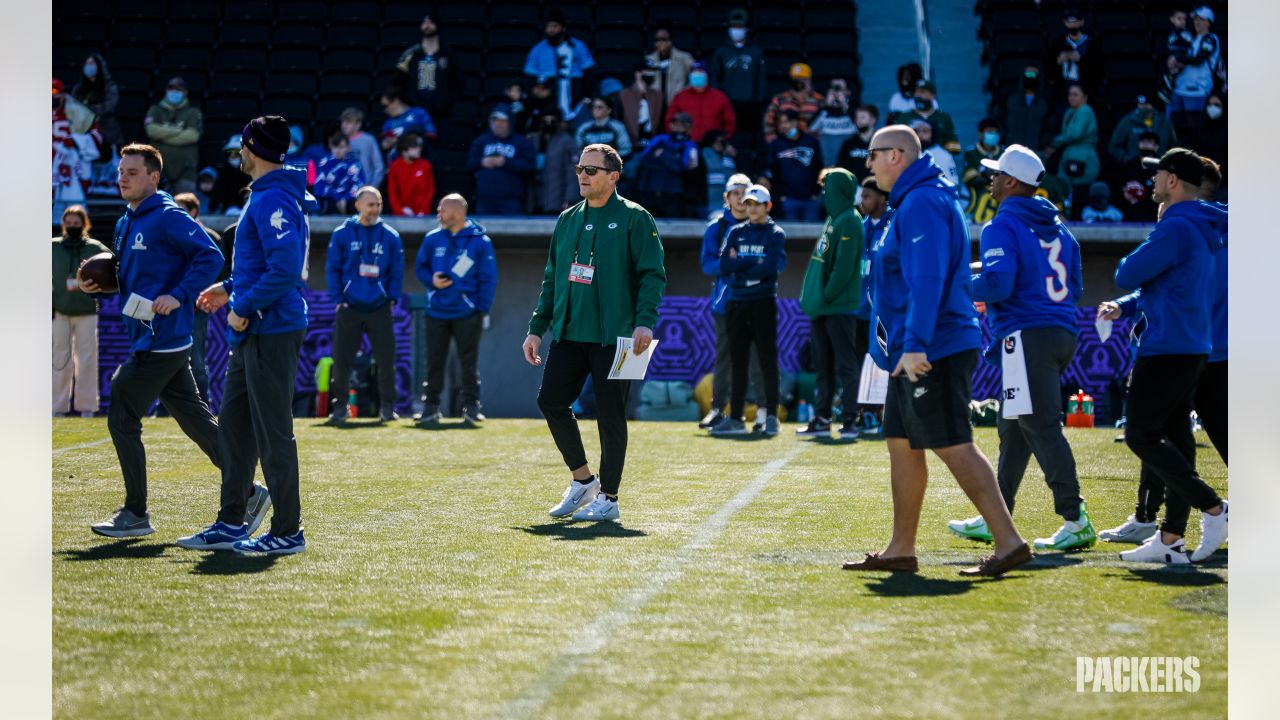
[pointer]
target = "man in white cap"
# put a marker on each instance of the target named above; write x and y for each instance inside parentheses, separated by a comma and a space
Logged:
(1030, 279)
(1192, 85)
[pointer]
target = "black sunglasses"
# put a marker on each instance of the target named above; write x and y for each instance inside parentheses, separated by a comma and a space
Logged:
(591, 170)
(872, 152)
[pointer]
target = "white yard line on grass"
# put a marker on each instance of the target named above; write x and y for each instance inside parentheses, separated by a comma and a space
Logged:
(598, 633)
(81, 446)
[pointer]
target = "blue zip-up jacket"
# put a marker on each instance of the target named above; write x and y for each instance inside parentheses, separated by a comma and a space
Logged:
(472, 291)
(1172, 276)
(269, 263)
(162, 251)
(712, 243)
(507, 181)
(920, 271)
(544, 61)
(871, 229)
(1031, 274)
(761, 255)
(1218, 314)
(664, 172)
(365, 265)
(794, 166)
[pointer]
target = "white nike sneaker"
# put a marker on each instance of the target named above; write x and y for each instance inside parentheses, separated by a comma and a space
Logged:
(575, 496)
(602, 508)
(1131, 531)
(1155, 551)
(1213, 532)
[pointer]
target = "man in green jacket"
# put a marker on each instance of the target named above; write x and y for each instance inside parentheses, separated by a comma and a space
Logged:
(830, 296)
(604, 279)
(174, 127)
(75, 318)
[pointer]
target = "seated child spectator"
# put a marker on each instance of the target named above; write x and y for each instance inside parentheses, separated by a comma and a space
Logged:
(338, 177)
(411, 181)
(1100, 209)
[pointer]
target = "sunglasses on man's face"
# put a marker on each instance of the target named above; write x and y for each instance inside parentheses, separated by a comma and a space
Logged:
(872, 152)
(591, 170)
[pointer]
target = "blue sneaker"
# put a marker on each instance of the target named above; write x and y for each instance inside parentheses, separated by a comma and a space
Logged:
(268, 544)
(218, 536)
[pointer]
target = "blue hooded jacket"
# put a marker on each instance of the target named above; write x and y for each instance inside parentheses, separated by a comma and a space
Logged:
(1031, 274)
(871, 230)
(544, 61)
(269, 263)
(712, 243)
(163, 251)
(1172, 276)
(472, 291)
(1218, 315)
(761, 250)
(920, 271)
(507, 181)
(354, 245)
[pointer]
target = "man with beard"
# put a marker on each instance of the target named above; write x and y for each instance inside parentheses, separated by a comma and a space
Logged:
(853, 152)
(563, 59)
(424, 69)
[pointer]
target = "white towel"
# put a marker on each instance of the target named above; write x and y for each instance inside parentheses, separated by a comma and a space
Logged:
(1016, 399)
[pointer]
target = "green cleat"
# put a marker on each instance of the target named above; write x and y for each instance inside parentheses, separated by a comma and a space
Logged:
(1073, 535)
(975, 528)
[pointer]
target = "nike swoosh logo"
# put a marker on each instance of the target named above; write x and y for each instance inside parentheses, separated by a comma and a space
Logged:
(280, 235)
(917, 238)
(193, 232)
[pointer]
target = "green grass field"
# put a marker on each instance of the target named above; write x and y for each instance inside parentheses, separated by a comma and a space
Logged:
(435, 585)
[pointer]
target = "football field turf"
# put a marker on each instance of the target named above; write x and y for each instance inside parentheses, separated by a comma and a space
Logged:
(435, 585)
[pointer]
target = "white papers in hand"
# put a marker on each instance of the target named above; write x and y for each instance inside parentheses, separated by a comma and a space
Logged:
(1104, 328)
(626, 364)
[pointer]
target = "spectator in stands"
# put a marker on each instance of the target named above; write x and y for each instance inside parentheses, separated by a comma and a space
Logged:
(174, 127)
(834, 124)
(200, 326)
(944, 128)
(738, 70)
(98, 92)
(1178, 46)
(795, 160)
(1100, 209)
(305, 156)
(904, 101)
(75, 318)
(663, 164)
(1133, 194)
(1025, 112)
(424, 70)
(643, 105)
(502, 162)
(77, 141)
(1144, 118)
(1077, 147)
(943, 159)
(718, 161)
(225, 199)
(800, 97)
(710, 108)
(563, 59)
(1194, 82)
(605, 130)
(981, 207)
(671, 66)
(363, 146)
(338, 178)
(411, 181)
(516, 105)
(402, 118)
(557, 155)
(540, 102)
(853, 152)
(1211, 141)
(1073, 59)
(205, 182)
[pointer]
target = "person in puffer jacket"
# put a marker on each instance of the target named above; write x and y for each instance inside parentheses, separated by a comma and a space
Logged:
(457, 265)
(365, 270)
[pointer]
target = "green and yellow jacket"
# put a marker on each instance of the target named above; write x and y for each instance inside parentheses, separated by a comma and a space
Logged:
(833, 281)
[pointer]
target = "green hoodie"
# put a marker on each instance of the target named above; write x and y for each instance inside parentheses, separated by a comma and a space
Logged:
(66, 261)
(832, 283)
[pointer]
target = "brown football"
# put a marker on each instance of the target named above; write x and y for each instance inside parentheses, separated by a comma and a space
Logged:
(101, 269)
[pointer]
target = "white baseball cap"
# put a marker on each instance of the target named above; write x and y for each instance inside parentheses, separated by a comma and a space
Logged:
(1204, 12)
(759, 193)
(737, 180)
(1020, 162)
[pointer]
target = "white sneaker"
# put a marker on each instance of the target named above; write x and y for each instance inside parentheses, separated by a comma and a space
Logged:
(1155, 551)
(1131, 531)
(575, 496)
(1213, 532)
(602, 508)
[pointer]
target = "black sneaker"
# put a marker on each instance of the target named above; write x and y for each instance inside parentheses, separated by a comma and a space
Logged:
(817, 427)
(388, 414)
(711, 419)
(849, 430)
(472, 416)
(338, 417)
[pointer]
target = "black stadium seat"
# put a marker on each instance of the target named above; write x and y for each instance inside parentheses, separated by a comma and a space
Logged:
(239, 59)
(297, 110)
(230, 106)
(351, 36)
(186, 58)
(346, 83)
(240, 83)
(84, 33)
(343, 13)
(281, 84)
(248, 35)
(831, 40)
(313, 13)
(630, 15)
(349, 60)
(145, 33)
(248, 10)
(517, 14)
(456, 13)
(131, 58)
(304, 60)
(297, 34)
(409, 14)
(142, 80)
(681, 15)
(512, 38)
(618, 36)
(578, 16)
(196, 34)
(830, 15)
(776, 39)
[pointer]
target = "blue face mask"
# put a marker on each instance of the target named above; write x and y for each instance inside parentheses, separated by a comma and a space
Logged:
(90, 70)
(793, 133)
(174, 97)
(991, 139)
(698, 80)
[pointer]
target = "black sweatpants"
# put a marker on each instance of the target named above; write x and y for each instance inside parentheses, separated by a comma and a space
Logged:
(753, 321)
(1158, 431)
(568, 364)
(836, 363)
(1211, 405)
(722, 377)
(349, 325)
(1047, 352)
(465, 333)
(256, 423)
(135, 386)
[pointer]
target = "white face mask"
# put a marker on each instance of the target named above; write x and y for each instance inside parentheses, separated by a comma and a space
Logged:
(737, 34)
(1213, 111)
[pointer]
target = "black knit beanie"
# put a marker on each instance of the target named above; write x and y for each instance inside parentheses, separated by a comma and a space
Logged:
(267, 137)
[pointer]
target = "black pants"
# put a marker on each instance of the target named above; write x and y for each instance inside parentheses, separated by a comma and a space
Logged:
(134, 387)
(348, 325)
(1158, 431)
(567, 367)
(465, 333)
(1211, 405)
(836, 363)
(1047, 352)
(256, 423)
(199, 365)
(723, 374)
(753, 321)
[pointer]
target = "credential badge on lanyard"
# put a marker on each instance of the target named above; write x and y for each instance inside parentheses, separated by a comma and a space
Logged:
(580, 273)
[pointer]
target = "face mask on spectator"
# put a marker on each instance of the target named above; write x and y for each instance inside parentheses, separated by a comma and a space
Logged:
(1031, 82)
(793, 133)
(1148, 150)
(90, 70)
(906, 87)
(991, 139)
(174, 97)
(1213, 111)
(698, 79)
(797, 85)
(73, 233)
(234, 161)
(923, 104)
(737, 34)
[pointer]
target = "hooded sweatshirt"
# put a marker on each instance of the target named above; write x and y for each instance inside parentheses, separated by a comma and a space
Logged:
(269, 263)
(365, 265)
(473, 283)
(506, 181)
(833, 280)
(920, 271)
(1218, 315)
(761, 253)
(1172, 276)
(1031, 273)
(712, 244)
(67, 256)
(163, 251)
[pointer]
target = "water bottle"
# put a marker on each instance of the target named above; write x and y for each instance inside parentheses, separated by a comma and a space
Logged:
(1073, 404)
(804, 412)
(353, 409)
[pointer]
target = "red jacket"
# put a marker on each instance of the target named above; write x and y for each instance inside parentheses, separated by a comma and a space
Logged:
(710, 109)
(411, 187)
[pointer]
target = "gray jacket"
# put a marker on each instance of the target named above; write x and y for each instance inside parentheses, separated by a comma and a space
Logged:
(558, 185)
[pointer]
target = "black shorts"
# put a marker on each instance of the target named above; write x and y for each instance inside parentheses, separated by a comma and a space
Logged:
(934, 411)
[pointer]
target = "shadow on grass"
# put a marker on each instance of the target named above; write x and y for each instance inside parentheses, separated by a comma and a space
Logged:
(901, 584)
(131, 548)
(744, 437)
(1179, 576)
(834, 441)
(1052, 561)
(349, 425)
(438, 426)
(232, 563)
(582, 531)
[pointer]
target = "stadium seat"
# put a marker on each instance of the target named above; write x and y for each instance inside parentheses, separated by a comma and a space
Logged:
(351, 36)
(830, 15)
(197, 34)
(343, 13)
(401, 36)
(133, 105)
(1028, 20)
(346, 83)
(775, 17)
(505, 61)
(284, 84)
(230, 106)
(297, 59)
(456, 13)
(776, 39)
(135, 79)
(349, 60)
(680, 15)
(831, 40)
(408, 14)
(579, 17)
(1111, 18)
(619, 36)
(131, 58)
(1119, 44)
(328, 109)
(244, 83)
(297, 110)
(629, 15)
(297, 34)
(617, 62)
(80, 33)
(462, 36)
(248, 11)
(239, 59)
(247, 35)
(312, 13)
(517, 14)
(141, 33)
(81, 10)
(186, 58)
(833, 65)
(512, 38)
(1018, 42)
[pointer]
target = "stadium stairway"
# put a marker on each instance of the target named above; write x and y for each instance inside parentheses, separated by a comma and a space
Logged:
(956, 57)
(888, 39)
